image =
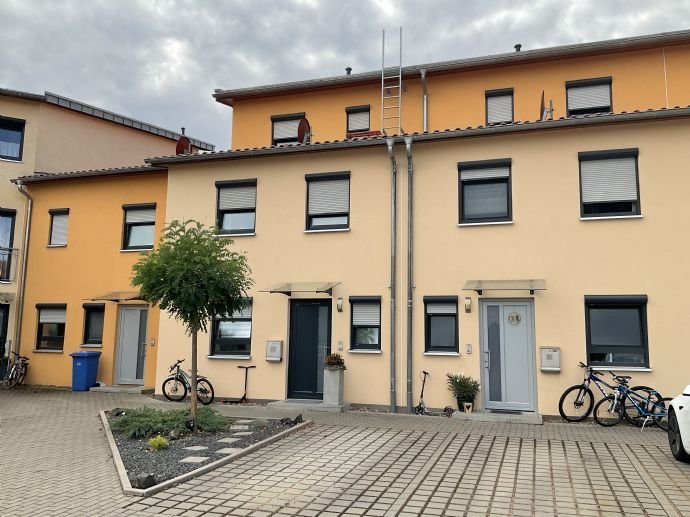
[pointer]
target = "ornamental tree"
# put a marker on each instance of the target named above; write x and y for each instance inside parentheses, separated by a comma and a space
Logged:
(194, 276)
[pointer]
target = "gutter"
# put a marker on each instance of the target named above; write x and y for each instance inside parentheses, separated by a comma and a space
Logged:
(410, 270)
(25, 255)
(393, 291)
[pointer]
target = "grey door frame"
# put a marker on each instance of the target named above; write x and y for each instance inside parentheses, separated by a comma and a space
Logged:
(482, 347)
(119, 347)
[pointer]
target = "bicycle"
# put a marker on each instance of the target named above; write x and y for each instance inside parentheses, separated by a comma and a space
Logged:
(16, 374)
(578, 408)
(421, 409)
(627, 403)
(178, 384)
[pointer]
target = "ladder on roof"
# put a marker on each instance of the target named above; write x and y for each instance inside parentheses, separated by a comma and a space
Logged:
(391, 92)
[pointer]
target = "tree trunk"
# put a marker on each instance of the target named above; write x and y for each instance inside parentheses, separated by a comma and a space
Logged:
(194, 373)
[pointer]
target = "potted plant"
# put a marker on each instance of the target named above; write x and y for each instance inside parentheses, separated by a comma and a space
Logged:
(333, 387)
(463, 387)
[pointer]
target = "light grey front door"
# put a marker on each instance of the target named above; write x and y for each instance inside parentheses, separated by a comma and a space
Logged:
(508, 373)
(131, 344)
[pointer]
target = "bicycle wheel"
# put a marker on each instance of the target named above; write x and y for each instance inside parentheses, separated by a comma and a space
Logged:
(174, 389)
(607, 413)
(576, 403)
(22, 376)
(204, 391)
(645, 397)
(660, 413)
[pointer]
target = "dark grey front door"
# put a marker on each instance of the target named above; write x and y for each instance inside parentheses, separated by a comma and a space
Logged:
(310, 341)
(508, 380)
(131, 345)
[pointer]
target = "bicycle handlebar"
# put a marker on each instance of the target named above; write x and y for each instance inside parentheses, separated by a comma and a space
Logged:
(179, 361)
(19, 356)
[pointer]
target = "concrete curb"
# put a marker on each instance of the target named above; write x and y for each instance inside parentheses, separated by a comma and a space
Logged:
(124, 479)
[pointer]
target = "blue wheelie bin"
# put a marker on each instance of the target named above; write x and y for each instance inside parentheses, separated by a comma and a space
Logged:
(84, 370)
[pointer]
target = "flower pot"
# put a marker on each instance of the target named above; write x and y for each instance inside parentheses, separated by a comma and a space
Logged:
(333, 386)
(462, 402)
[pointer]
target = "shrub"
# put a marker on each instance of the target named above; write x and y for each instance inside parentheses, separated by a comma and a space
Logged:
(463, 387)
(147, 422)
(158, 442)
(335, 362)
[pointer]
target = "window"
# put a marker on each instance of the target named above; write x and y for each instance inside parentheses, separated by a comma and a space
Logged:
(51, 327)
(441, 324)
(6, 242)
(609, 183)
(358, 118)
(233, 336)
(11, 138)
(484, 191)
(140, 221)
(58, 226)
(236, 206)
(617, 330)
(328, 201)
(589, 96)
(93, 323)
(365, 333)
(499, 106)
(285, 129)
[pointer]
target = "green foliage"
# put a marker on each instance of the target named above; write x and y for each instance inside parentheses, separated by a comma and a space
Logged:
(193, 275)
(147, 422)
(335, 362)
(463, 387)
(158, 442)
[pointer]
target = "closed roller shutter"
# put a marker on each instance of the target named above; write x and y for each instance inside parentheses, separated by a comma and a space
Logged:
(588, 97)
(366, 314)
(237, 198)
(499, 109)
(609, 180)
(329, 197)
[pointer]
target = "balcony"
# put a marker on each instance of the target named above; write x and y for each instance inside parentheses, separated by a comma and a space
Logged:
(9, 261)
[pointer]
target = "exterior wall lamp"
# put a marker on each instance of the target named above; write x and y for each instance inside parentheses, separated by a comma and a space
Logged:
(339, 304)
(468, 304)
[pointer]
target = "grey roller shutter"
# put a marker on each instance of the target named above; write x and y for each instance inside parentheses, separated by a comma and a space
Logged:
(58, 230)
(141, 215)
(358, 121)
(329, 197)
(244, 313)
(608, 180)
(285, 129)
(51, 316)
(587, 97)
(237, 198)
(441, 308)
(486, 173)
(499, 109)
(366, 314)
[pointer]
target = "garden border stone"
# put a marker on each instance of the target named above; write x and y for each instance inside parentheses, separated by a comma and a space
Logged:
(127, 488)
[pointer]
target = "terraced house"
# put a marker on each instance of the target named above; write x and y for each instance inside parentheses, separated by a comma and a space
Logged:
(504, 216)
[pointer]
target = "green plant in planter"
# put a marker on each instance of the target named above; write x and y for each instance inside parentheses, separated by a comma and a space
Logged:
(463, 387)
(335, 362)
(159, 442)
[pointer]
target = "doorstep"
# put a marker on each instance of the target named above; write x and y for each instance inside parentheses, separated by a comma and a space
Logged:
(305, 405)
(513, 417)
(123, 388)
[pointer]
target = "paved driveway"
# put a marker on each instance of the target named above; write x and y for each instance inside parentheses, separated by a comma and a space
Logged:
(54, 461)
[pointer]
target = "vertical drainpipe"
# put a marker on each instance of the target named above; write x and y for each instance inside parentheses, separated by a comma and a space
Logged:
(394, 237)
(410, 278)
(425, 103)
(22, 282)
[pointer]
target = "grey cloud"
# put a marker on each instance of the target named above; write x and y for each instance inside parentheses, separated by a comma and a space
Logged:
(159, 61)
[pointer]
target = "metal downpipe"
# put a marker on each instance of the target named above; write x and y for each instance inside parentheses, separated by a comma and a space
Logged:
(393, 284)
(25, 255)
(410, 278)
(425, 102)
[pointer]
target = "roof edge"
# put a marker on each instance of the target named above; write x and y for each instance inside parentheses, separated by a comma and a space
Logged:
(42, 177)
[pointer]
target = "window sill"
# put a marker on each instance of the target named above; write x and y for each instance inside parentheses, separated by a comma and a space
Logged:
(90, 346)
(6, 282)
(606, 217)
(451, 354)
(488, 223)
(142, 250)
(223, 235)
(622, 368)
(328, 230)
(230, 357)
(38, 351)
(364, 351)
(57, 245)
(10, 160)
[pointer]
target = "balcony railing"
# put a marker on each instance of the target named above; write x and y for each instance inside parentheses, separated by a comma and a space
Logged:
(9, 260)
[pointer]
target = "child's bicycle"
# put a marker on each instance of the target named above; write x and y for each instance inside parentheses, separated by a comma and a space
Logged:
(178, 384)
(16, 374)
(421, 409)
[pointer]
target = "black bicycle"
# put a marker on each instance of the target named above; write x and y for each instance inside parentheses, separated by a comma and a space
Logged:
(176, 386)
(16, 374)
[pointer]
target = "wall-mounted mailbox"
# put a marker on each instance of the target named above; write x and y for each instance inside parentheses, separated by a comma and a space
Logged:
(550, 359)
(274, 351)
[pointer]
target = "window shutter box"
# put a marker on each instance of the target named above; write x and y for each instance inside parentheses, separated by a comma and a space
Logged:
(237, 198)
(608, 180)
(485, 173)
(585, 97)
(285, 129)
(358, 121)
(441, 308)
(329, 197)
(366, 314)
(58, 231)
(144, 215)
(244, 313)
(51, 316)
(499, 109)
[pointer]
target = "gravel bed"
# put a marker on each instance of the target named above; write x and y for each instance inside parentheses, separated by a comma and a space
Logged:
(165, 464)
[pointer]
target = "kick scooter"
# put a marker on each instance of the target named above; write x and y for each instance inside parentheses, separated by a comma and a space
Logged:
(421, 409)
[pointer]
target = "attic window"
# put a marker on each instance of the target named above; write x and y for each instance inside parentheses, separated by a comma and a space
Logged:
(358, 118)
(285, 129)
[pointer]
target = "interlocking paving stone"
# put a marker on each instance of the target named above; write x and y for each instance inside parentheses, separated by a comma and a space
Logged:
(194, 459)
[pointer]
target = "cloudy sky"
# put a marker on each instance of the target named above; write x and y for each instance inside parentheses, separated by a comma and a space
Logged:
(160, 60)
